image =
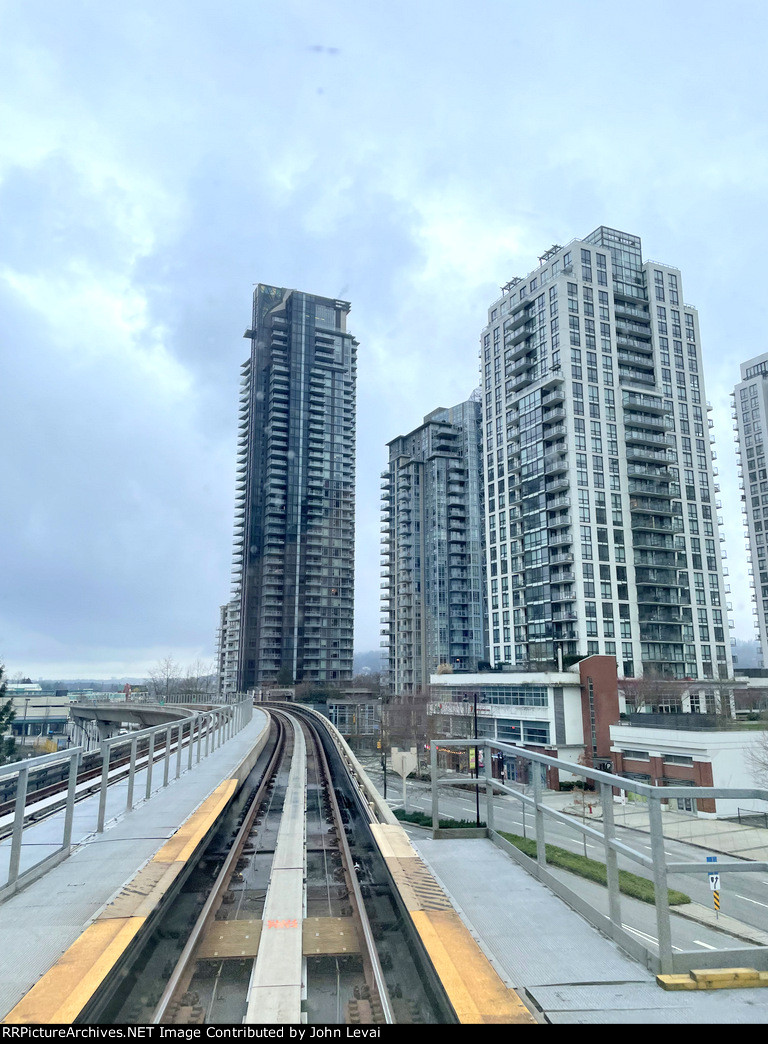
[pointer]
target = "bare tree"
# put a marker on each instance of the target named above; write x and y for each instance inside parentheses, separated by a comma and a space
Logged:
(199, 678)
(165, 677)
(652, 692)
(406, 722)
(757, 756)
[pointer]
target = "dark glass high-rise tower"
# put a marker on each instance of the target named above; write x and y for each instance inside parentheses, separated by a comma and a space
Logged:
(433, 591)
(293, 565)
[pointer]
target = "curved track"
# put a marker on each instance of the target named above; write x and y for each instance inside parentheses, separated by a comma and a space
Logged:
(291, 865)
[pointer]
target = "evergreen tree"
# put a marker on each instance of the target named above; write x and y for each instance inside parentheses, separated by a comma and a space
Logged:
(7, 715)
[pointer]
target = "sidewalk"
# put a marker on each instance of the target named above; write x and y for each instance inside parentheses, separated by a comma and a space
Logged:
(716, 835)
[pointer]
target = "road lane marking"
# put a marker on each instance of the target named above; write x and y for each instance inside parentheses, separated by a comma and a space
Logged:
(748, 900)
(643, 935)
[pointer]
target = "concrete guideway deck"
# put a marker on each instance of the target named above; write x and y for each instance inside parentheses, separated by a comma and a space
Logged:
(277, 980)
(471, 983)
(65, 933)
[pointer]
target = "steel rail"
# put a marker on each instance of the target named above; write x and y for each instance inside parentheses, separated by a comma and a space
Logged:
(177, 983)
(375, 970)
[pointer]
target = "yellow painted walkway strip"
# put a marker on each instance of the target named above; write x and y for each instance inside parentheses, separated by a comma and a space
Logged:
(63, 992)
(473, 986)
(182, 845)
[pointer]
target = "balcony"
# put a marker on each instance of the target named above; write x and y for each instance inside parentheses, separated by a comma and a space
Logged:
(633, 352)
(634, 377)
(657, 525)
(558, 502)
(554, 395)
(556, 484)
(555, 463)
(553, 416)
(556, 431)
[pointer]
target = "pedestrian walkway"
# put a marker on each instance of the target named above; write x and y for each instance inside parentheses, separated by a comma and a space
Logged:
(567, 972)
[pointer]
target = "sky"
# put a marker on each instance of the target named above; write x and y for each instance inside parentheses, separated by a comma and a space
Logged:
(159, 159)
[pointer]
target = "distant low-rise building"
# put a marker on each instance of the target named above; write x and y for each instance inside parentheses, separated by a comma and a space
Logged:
(357, 716)
(39, 715)
(691, 750)
(565, 714)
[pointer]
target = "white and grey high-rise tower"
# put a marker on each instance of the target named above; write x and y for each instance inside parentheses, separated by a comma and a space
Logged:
(602, 531)
(750, 414)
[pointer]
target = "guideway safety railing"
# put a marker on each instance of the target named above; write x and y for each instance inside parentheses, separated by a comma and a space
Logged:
(668, 959)
(196, 736)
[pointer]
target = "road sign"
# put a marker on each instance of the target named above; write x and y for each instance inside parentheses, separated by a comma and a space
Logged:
(714, 882)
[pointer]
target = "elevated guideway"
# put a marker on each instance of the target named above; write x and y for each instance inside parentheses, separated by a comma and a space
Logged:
(504, 947)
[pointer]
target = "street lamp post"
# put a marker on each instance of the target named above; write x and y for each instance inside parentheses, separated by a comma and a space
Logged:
(477, 785)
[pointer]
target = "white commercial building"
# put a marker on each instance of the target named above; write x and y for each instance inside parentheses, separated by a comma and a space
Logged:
(703, 758)
(601, 513)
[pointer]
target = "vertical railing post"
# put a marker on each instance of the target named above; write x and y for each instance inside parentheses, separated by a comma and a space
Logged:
(131, 775)
(167, 765)
(191, 741)
(105, 751)
(488, 786)
(611, 860)
(663, 926)
(69, 815)
(208, 723)
(18, 824)
(435, 799)
(150, 764)
(178, 748)
(199, 736)
(538, 817)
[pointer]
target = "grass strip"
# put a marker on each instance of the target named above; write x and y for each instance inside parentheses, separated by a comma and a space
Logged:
(421, 819)
(630, 884)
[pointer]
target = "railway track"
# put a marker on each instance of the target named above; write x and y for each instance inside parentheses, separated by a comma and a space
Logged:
(284, 931)
(295, 922)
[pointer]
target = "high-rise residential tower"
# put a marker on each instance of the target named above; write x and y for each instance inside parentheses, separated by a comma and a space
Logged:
(750, 414)
(601, 518)
(294, 533)
(433, 602)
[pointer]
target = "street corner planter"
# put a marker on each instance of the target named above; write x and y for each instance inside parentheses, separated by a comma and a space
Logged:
(458, 833)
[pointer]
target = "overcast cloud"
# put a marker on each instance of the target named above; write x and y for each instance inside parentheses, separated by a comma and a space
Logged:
(158, 159)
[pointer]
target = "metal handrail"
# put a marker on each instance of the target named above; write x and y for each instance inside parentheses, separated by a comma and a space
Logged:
(217, 725)
(657, 863)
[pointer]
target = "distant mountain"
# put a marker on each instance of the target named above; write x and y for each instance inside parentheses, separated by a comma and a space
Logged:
(366, 662)
(745, 654)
